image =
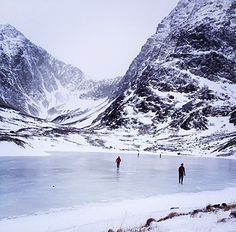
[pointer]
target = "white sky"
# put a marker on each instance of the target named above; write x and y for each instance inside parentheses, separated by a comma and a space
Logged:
(101, 37)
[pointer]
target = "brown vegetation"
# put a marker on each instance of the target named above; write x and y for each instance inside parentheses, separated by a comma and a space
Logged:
(193, 213)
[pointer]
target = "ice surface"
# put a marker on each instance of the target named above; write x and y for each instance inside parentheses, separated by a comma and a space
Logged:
(32, 184)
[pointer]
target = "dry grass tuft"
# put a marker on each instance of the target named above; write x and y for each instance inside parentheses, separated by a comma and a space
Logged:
(209, 208)
(233, 214)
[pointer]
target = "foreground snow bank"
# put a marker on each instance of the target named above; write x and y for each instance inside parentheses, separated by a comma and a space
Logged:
(219, 221)
(126, 214)
(217, 218)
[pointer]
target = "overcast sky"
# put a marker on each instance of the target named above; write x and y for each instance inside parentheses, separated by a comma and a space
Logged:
(101, 37)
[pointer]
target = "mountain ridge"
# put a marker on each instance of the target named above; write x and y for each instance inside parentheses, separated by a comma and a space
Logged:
(36, 83)
(177, 95)
(192, 52)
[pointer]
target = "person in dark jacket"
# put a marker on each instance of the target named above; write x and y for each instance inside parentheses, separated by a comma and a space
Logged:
(181, 173)
(118, 160)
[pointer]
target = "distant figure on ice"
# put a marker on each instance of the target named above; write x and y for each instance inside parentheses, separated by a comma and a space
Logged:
(181, 173)
(138, 153)
(118, 160)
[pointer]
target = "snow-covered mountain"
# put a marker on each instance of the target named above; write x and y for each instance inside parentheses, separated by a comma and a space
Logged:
(178, 94)
(38, 84)
(185, 75)
(89, 104)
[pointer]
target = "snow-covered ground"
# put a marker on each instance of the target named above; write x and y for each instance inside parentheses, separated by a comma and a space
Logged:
(128, 214)
(40, 136)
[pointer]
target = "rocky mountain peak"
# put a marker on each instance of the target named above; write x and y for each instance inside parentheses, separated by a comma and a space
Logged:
(184, 75)
(11, 40)
(9, 31)
(35, 82)
(194, 21)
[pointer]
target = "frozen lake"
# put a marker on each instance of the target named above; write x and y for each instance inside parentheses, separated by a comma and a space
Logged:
(32, 184)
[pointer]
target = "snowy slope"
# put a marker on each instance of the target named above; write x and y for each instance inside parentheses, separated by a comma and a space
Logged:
(36, 83)
(183, 81)
(21, 134)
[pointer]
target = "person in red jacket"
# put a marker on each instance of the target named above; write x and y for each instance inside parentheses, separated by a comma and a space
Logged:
(118, 160)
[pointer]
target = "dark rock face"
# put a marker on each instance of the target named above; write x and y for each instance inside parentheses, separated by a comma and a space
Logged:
(229, 144)
(211, 66)
(14, 140)
(113, 115)
(233, 117)
(184, 74)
